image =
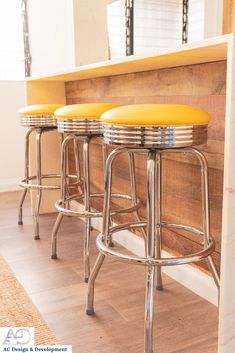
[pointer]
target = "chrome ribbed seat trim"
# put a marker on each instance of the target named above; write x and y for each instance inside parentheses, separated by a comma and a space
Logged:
(158, 137)
(80, 126)
(38, 120)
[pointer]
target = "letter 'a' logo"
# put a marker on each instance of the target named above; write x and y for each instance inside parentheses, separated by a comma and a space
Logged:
(18, 336)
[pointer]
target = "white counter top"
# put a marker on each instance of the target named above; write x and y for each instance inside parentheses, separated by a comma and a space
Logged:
(209, 50)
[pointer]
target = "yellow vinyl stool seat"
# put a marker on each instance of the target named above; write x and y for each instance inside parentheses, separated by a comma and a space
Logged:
(40, 115)
(82, 119)
(39, 109)
(156, 115)
(156, 125)
(84, 111)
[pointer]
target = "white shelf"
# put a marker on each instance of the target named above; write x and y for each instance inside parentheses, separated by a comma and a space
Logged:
(209, 50)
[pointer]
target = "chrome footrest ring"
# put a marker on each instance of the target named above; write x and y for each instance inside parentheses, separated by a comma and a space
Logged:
(61, 205)
(26, 183)
(146, 261)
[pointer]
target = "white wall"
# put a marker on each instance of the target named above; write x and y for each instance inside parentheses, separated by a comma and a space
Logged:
(205, 19)
(213, 18)
(11, 135)
(66, 33)
(51, 35)
(90, 30)
(11, 41)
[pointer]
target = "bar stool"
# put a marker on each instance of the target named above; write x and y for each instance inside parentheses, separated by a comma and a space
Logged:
(39, 118)
(153, 129)
(81, 123)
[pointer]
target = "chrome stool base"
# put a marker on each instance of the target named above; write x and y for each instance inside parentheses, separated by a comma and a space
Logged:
(153, 259)
(26, 183)
(85, 195)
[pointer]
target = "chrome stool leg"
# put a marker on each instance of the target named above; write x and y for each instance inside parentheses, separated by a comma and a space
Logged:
(64, 144)
(105, 156)
(77, 167)
(66, 177)
(87, 235)
(213, 271)
(158, 162)
(205, 213)
(205, 207)
(131, 156)
(20, 211)
(39, 182)
(62, 138)
(54, 236)
(151, 249)
(149, 310)
(77, 163)
(105, 228)
(24, 192)
(91, 284)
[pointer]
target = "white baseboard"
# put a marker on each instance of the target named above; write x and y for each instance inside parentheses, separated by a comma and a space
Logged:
(11, 184)
(187, 275)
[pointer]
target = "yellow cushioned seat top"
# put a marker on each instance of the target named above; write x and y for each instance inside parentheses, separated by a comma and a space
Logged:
(39, 109)
(81, 111)
(156, 115)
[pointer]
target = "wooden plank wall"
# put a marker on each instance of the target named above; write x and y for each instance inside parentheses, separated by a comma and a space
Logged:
(198, 85)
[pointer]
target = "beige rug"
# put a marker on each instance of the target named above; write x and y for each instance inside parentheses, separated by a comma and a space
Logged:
(17, 310)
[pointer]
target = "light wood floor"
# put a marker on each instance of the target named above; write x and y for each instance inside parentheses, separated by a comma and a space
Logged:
(184, 323)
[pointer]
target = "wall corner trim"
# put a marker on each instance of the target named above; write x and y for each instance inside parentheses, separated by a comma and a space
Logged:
(11, 184)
